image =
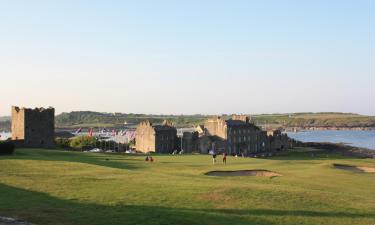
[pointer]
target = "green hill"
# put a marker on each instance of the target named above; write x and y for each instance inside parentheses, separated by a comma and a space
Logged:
(97, 119)
(87, 119)
(324, 119)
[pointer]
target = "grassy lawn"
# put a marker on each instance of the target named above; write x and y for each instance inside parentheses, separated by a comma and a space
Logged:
(58, 187)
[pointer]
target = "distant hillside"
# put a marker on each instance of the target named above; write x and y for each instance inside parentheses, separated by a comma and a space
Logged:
(324, 120)
(97, 119)
(4, 118)
(320, 120)
(4, 126)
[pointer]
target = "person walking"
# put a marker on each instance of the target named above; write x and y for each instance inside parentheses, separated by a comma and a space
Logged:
(225, 158)
(213, 158)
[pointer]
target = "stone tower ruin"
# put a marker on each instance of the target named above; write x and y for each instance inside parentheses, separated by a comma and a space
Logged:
(33, 127)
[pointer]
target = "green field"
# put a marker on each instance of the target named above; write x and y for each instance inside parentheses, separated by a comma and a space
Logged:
(59, 187)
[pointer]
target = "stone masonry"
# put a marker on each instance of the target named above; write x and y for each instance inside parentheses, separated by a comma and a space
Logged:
(156, 138)
(33, 127)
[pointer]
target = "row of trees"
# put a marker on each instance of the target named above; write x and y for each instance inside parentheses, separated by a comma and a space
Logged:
(81, 143)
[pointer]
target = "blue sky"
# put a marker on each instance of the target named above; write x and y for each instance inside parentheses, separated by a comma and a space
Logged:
(207, 57)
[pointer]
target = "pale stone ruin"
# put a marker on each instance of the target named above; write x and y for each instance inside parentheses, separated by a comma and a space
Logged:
(236, 136)
(156, 138)
(33, 127)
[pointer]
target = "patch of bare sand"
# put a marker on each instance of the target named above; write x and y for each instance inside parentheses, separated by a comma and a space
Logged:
(12, 221)
(361, 169)
(256, 173)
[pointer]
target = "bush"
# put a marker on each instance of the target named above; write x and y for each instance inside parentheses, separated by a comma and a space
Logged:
(63, 142)
(81, 142)
(7, 148)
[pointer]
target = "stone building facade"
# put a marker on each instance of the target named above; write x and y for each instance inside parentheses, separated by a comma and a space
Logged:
(156, 138)
(277, 140)
(241, 136)
(33, 127)
(236, 136)
(190, 141)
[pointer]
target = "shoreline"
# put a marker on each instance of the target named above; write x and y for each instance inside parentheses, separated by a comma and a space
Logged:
(346, 150)
(307, 128)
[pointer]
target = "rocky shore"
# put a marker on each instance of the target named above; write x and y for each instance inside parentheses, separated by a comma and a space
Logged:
(308, 128)
(343, 149)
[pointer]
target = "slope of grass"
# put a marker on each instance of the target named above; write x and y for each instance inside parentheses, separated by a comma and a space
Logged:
(342, 120)
(58, 187)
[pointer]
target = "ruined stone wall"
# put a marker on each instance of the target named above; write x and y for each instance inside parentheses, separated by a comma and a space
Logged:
(244, 118)
(278, 141)
(190, 141)
(244, 139)
(166, 140)
(204, 144)
(216, 126)
(145, 139)
(36, 127)
(161, 139)
(18, 123)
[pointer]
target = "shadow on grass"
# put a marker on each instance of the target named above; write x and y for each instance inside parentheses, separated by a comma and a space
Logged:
(98, 159)
(309, 154)
(44, 209)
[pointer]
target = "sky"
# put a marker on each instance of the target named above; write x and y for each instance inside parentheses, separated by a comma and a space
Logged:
(188, 57)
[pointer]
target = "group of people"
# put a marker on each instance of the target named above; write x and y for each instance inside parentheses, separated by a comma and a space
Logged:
(214, 156)
(175, 152)
(149, 159)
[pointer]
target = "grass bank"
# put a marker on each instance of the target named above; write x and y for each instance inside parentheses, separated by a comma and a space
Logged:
(58, 187)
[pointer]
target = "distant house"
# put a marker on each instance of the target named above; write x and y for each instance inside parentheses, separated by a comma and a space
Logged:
(156, 138)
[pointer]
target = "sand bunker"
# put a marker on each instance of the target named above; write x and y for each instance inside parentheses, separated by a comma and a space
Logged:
(12, 221)
(361, 169)
(257, 173)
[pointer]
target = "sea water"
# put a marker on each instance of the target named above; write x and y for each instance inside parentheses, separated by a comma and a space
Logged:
(365, 139)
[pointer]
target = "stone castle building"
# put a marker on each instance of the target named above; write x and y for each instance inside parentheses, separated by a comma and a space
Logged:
(190, 141)
(156, 138)
(239, 134)
(234, 136)
(33, 127)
